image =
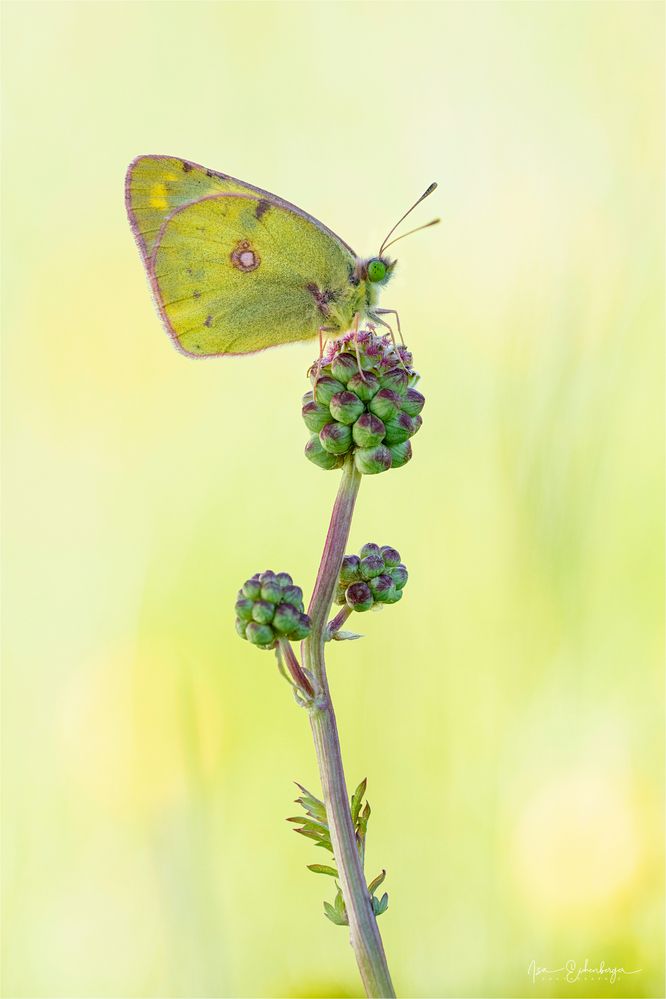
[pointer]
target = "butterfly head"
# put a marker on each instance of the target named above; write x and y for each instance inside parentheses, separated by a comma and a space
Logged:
(378, 270)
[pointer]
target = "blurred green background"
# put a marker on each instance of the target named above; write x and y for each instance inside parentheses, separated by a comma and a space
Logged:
(508, 713)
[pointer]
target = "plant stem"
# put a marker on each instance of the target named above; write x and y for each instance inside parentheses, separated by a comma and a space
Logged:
(338, 621)
(292, 664)
(364, 932)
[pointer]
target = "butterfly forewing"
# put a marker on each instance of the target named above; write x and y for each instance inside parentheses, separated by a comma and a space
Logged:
(236, 274)
(156, 186)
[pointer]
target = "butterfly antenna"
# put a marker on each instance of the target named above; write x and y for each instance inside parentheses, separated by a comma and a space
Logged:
(418, 202)
(418, 229)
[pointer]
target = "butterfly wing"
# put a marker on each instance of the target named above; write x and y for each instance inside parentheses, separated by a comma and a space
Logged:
(234, 273)
(156, 186)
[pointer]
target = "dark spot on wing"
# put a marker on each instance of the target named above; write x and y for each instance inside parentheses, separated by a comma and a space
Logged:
(187, 166)
(262, 207)
(208, 321)
(197, 294)
(322, 298)
(244, 258)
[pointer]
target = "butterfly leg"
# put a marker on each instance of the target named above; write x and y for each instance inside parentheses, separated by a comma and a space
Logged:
(382, 322)
(323, 340)
(386, 326)
(355, 325)
(392, 312)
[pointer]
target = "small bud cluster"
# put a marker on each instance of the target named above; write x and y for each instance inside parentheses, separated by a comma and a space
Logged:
(374, 576)
(270, 607)
(363, 401)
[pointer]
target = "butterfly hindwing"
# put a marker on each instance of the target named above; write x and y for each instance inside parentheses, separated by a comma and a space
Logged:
(236, 274)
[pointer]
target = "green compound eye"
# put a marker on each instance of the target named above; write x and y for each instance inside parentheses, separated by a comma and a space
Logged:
(376, 270)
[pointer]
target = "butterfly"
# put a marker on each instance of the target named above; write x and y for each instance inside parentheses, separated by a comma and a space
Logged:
(235, 269)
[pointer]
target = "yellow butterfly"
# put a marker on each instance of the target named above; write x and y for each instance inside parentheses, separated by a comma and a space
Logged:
(235, 269)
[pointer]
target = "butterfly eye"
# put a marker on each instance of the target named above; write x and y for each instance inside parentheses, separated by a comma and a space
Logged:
(376, 270)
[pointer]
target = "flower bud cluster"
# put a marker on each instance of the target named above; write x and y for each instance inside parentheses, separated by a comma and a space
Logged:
(363, 401)
(270, 607)
(373, 577)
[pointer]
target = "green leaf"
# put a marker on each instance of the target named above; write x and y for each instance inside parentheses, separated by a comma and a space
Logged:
(313, 823)
(380, 905)
(340, 906)
(313, 806)
(322, 869)
(362, 821)
(374, 885)
(331, 914)
(357, 798)
(320, 838)
(313, 811)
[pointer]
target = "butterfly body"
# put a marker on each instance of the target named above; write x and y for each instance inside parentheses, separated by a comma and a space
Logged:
(235, 269)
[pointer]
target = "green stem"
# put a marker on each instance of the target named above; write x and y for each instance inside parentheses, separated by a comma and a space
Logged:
(337, 622)
(364, 932)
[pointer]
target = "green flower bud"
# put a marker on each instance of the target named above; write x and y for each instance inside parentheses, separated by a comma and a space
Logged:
(275, 610)
(252, 589)
(395, 379)
(390, 555)
(399, 428)
(318, 455)
(349, 570)
(385, 404)
(315, 416)
(336, 438)
(359, 597)
(372, 565)
(368, 431)
(326, 388)
(365, 382)
(365, 385)
(260, 634)
(400, 454)
(371, 460)
(418, 423)
(293, 595)
(381, 573)
(302, 629)
(344, 366)
(381, 587)
(413, 402)
(286, 618)
(340, 592)
(346, 407)
(262, 611)
(393, 596)
(271, 591)
(399, 575)
(244, 607)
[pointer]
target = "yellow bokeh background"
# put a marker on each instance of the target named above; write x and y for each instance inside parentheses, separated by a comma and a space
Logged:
(508, 714)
